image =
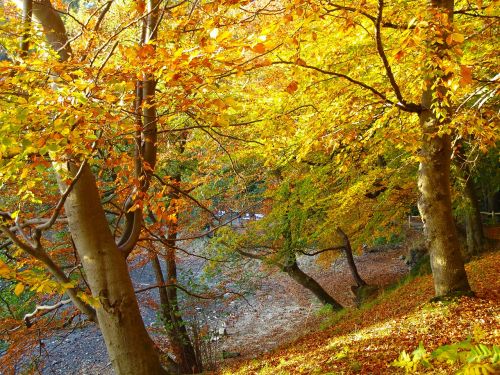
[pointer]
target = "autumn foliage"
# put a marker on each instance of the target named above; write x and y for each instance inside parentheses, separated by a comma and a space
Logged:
(129, 130)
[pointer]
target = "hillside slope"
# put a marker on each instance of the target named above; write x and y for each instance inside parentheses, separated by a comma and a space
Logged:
(368, 340)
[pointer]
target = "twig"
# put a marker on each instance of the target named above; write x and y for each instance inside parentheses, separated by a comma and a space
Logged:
(45, 309)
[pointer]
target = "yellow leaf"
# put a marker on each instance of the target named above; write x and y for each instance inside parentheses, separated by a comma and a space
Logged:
(66, 77)
(66, 286)
(231, 102)
(19, 289)
(457, 37)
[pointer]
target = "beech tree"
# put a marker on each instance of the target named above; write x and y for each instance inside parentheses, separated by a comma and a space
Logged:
(341, 101)
(388, 76)
(89, 117)
(130, 348)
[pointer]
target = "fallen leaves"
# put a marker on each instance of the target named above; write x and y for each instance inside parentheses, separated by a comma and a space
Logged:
(369, 339)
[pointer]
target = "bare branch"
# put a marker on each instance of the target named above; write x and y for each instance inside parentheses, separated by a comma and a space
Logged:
(337, 7)
(62, 200)
(45, 309)
(339, 247)
(204, 234)
(408, 107)
(162, 285)
(18, 242)
(250, 255)
(20, 230)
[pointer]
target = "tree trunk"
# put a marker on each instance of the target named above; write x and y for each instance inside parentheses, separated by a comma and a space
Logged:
(192, 362)
(291, 267)
(436, 211)
(473, 223)
(472, 217)
(309, 283)
(130, 348)
(350, 259)
(179, 340)
(434, 171)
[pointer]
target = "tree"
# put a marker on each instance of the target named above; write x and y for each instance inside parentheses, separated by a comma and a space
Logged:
(434, 173)
(130, 348)
(286, 232)
(372, 95)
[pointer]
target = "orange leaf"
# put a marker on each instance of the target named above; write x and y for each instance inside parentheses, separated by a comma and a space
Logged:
(146, 51)
(259, 48)
(292, 87)
(399, 55)
(140, 6)
(466, 75)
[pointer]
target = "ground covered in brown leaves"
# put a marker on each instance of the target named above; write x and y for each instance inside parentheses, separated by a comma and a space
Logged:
(369, 339)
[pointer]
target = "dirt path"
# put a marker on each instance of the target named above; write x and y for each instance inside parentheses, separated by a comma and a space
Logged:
(278, 312)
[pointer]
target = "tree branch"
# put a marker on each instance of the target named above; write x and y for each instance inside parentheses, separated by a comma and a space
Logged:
(62, 200)
(356, 82)
(409, 107)
(339, 247)
(45, 309)
(187, 195)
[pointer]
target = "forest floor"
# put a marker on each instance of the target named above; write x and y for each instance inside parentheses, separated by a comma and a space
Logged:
(280, 327)
(277, 311)
(368, 340)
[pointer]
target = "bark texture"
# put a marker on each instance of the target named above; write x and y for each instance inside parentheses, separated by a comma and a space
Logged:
(434, 178)
(309, 283)
(130, 348)
(436, 211)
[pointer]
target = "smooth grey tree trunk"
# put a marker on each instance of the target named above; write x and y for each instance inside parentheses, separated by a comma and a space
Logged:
(130, 349)
(129, 346)
(434, 183)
